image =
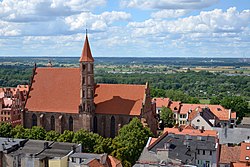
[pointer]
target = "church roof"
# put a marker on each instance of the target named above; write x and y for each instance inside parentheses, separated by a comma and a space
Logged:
(86, 52)
(55, 90)
(119, 99)
(58, 90)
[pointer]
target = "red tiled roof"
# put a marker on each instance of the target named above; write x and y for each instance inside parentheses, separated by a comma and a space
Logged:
(187, 107)
(160, 102)
(95, 163)
(175, 106)
(186, 131)
(55, 90)
(192, 132)
(86, 52)
(152, 141)
(229, 154)
(13, 90)
(119, 99)
(244, 152)
(240, 164)
(114, 162)
(58, 90)
(220, 112)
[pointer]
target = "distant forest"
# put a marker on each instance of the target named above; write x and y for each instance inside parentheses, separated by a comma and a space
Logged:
(201, 85)
(196, 84)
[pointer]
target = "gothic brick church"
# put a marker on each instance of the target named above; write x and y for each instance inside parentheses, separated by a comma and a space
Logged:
(69, 99)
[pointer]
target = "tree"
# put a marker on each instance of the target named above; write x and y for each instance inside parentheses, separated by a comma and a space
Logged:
(130, 142)
(19, 132)
(67, 136)
(88, 140)
(167, 118)
(215, 100)
(36, 132)
(103, 146)
(52, 136)
(5, 129)
(237, 104)
(177, 95)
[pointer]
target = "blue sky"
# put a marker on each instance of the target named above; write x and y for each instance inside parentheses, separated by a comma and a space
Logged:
(126, 28)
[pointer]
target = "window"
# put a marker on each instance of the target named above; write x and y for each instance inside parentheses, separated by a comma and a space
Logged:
(89, 67)
(247, 157)
(83, 93)
(73, 159)
(211, 152)
(198, 120)
(83, 67)
(95, 124)
(130, 119)
(248, 148)
(198, 151)
(83, 80)
(70, 123)
(89, 93)
(112, 127)
(204, 152)
(34, 120)
(182, 115)
(207, 163)
(52, 122)
(89, 80)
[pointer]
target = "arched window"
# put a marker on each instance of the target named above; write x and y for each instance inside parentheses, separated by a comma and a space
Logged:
(34, 120)
(95, 124)
(130, 119)
(52, 122)
(112, 127)
(70, 123)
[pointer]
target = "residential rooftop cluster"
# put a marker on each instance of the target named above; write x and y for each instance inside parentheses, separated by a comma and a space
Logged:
(38, 153)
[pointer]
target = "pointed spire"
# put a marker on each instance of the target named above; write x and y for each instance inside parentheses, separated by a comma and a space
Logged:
(86, 52)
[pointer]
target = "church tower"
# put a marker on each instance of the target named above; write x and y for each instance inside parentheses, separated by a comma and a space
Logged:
(87, 79)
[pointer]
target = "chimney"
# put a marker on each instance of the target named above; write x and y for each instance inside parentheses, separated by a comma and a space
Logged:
(73, 148)
(229, 114)
(202, 129)
(46, 145)
(179, 128)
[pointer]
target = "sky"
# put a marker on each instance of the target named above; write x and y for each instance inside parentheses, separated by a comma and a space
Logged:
(126, 28)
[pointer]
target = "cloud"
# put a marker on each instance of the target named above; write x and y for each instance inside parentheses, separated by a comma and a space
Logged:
(8, 30)
(215, 21)
(43, 10)
(95, 22)
(168, 4)
(211, 33)
(169, 13)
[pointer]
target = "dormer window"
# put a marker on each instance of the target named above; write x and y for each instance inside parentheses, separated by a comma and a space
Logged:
(247, 157)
